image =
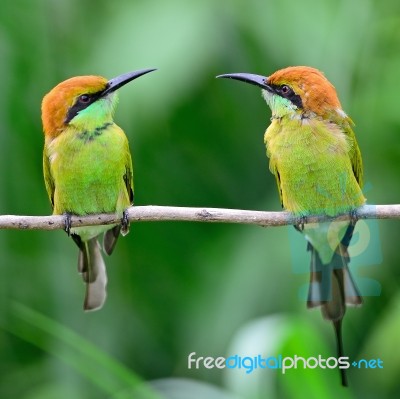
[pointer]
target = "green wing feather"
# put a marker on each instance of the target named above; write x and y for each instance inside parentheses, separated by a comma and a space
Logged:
(48, 178)
(278, 182)
(128, 177)
(355, 156)
(111, 236)
(355, 153)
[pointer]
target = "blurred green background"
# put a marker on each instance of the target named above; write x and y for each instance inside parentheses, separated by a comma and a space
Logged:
(177, 288)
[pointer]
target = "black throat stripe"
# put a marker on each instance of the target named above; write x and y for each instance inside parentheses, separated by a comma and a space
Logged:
(87, 135)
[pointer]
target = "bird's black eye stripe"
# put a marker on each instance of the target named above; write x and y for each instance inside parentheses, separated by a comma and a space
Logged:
(82, 102)
(286, 91)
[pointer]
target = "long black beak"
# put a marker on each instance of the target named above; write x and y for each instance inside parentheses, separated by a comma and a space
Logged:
(256, 80)
(119, 81)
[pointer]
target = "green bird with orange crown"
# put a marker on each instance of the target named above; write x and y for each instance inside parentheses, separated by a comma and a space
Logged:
(88, 168)
(317, 164)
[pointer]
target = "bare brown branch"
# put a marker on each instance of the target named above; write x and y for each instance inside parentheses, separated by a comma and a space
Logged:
(151, 213)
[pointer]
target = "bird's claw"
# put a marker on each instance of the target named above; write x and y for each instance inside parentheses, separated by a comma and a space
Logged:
(354, 216)
(300, 222)
(125, 223)
(67, 223)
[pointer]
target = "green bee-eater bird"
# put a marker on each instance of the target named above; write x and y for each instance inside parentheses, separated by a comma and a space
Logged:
(317, 165)
(88, 168)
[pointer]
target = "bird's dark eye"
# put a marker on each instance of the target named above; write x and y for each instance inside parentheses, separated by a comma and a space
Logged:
(285, 90)
(84, 99)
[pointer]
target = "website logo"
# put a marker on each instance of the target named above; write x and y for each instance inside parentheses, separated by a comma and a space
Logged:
(280, 362)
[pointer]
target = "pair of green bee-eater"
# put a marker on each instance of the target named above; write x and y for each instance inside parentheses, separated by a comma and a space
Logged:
(310, 142)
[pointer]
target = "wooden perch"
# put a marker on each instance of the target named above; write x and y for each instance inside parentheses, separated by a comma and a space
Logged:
(152, 213)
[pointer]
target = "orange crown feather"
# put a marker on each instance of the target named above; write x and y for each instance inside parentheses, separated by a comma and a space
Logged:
(57, 102)
(317, 93)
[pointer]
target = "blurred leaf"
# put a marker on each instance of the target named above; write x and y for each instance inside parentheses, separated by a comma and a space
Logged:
(103, 371)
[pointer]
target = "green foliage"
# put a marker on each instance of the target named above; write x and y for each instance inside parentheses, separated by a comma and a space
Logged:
(177, 288)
